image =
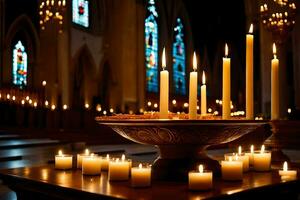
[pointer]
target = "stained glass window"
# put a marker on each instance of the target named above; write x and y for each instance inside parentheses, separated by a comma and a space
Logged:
(80, 10)
(19, 71)
(151, 47)
(179, 68)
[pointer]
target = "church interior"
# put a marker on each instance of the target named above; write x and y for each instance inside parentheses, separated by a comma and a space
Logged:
(149, 99)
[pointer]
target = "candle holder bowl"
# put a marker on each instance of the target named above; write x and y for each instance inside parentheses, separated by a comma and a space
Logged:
(182, 143)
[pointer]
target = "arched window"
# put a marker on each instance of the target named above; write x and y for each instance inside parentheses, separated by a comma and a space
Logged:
(80, 12)
(179, 68)
(19, 71)
(151, 47)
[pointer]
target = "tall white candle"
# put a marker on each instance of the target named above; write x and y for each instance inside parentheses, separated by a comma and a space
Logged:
(249, 74)
(274, 86)
(226, 86)
(203, 95)
(193, 90)
(164, 89)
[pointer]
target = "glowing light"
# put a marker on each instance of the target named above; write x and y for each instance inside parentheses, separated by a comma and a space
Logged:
(98, 108)
(289, 110)
(203, 78)
(252, 148)
(65, 107)
(53, 107)
(155, 105)
(262, 150)
(23, 102)
(35, 104)
(140, 166)
(209, 110)
(285, 166)
(60, 152)
(149, 103)
(251, 29)
(201, 169)
(104, 112)
(174, 102)
(185, 105)
(226, 50)
(44, 83)
(111, 110)
(163, 62)
(14, 98)
(46, 103)
(8, 96)
(194, 62)
(87, 106)
(240, 150)
(30, 101)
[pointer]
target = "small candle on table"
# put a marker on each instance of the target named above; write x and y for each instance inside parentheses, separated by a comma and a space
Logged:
(193, 90)
(249, 74)
(245, 158)
(105, 162)
(63, 161)
(232, 170)
(79, 158)
(118, 170)
(164, 89)
(287, 174)
(203, 95)
(200, 180)
(91, 165)
(250, 154)
(274, 86)
(226, 107)
(262, 160)
(141, 176)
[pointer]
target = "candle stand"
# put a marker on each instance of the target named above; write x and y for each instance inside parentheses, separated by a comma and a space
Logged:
(182, 143)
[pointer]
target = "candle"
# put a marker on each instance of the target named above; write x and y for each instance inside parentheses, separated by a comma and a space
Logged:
(232, 170)
(105, 163)
(249, 74)
(164, 89)
(226, 86)
(118, 170)
(201, 180)
(141, 176)
(274, 86)
(203, 95)
(250, 154)
(193, 90)
(79, 158)
(91, 165)
(63, 161)
(262, 160)
(287, 174)
(244, 158)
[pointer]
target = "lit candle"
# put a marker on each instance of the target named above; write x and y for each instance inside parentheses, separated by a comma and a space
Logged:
(245, 158)
(262, 160)
(232, 170)
(118, 170)
(63, 161)
(164, 89)
(193, 90)
(105, 162)
(91, 165)
(226, 86)
(287, 174)
(250, 154)
(249, 74)
(274, 86)
(200, 180)
(79, 158)
(203, 95)
(141, 176)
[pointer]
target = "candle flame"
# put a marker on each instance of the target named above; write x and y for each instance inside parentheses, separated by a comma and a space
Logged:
(236, 157)
(123, 157)
(87, 152)
(194, 62)
(274, 49)
(285, 166)
(251, 29)
(201, 169)
(140, 166)
(240, 150)
(163, 59)
(107, 156)
(60, 152)
(226, 50)
(203, 78)
(252, 148)
(262, 150)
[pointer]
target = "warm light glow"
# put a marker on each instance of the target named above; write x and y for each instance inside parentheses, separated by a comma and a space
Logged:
(194, 62)
(163, 63)
(104, 112)
(35, 104)
(289, 110)
(149, 103)
(186, 105)
(274, 49)
(226, 50)
(217, 101)
(209, 110)
(123, 157)
(236, 157)
(44, 83)
(27, 98)
(252, 148)
(23, 102)
(140, 166)
(285, 166)
(87, 106)
(30, 101)
(8, 96)
(65, 107)
(13, 98)
(230, 158)
(107, 156)
(60, 152)
(251, 29)
(203, 78)
(155, 105)
(111, 110)
(201, 169)
(117, 160)
(240, 150)
(198, 107)
(87, 152)
(46, 103)
(262, 150)
(174, 102)
(98, 108)
(53, 107)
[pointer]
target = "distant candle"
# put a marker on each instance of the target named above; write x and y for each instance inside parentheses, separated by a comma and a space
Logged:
(249, 74)
(232, 170)
(63, 161)
(200, 180)
(274, 86)
(141, 176)
(79, 158)
(193, 90)
(287, 174)
(91, 165)
(118, 170)
(239, 156)
(262, 160)
(105, 162)
(164, 89)
(203, 95)
(226, 107)
(250, 154)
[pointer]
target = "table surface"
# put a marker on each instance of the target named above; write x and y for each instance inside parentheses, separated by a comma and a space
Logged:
(72, 180)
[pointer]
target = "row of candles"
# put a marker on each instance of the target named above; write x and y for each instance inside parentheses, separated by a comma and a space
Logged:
(120, 169)
(226, 94)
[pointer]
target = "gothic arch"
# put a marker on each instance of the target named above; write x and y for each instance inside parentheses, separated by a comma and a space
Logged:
(22, 28)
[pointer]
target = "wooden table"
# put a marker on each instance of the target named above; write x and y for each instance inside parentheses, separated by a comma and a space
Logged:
(47, 183)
